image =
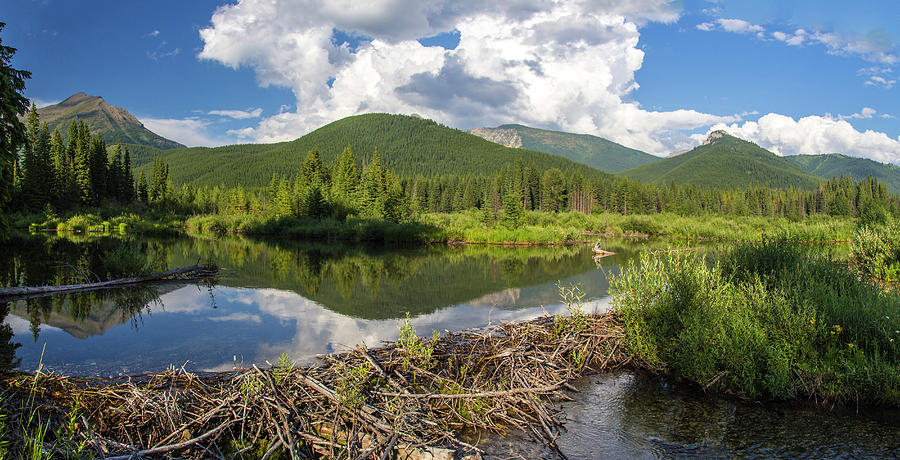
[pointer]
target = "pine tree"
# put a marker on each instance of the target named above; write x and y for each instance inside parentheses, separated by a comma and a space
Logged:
(12, 132)
(31, 179)
(159, 180)
(62, 181)
(82, 162)
(142, 192)
(345, 178)
(98, 165)
(512, 211)
(371, 186)
(313, 171)
(128, 179)
(115, 183)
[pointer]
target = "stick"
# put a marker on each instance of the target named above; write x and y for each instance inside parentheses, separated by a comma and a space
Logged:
(169, 448)
(93, 438)
(29, 290)
(381, 371)
(485, 394)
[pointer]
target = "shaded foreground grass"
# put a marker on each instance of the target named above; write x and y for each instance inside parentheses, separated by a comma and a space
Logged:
(408, 396)
(767, 320)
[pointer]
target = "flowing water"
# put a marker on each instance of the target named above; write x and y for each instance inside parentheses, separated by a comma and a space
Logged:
(307, 298)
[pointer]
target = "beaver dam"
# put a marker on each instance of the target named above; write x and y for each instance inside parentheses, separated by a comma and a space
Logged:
(412, 398)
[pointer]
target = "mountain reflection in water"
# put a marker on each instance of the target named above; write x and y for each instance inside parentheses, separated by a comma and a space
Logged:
(273, 297)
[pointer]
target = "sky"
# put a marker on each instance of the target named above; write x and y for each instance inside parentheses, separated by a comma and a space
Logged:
(798, 77)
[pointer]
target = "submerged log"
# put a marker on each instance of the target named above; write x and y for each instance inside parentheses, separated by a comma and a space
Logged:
(32, 290)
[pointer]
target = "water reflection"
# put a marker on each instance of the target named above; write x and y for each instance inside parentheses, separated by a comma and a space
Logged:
(627, 415)
(8, 360)
(274, 297)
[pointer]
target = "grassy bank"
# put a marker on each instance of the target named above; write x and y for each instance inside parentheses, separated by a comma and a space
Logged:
(532, 227)
(542, 227)
(104, 221)
(768, 320)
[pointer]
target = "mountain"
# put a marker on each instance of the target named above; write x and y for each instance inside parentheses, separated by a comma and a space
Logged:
(834, 165)
(110, 121)
(408, 145)
(594, 151)
(725, 161)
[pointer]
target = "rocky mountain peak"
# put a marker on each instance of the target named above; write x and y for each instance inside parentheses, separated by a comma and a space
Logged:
(502, 136)
(714, 136)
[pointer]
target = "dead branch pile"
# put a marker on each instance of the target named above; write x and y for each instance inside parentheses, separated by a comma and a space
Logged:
(396, 401)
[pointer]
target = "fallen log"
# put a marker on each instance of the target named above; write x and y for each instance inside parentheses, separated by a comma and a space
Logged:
(31, 290)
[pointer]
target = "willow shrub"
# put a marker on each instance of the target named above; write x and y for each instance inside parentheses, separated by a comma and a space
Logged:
(876, 250)
(767, 320)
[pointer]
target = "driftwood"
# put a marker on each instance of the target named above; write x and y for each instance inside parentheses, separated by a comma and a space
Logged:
(38, 290)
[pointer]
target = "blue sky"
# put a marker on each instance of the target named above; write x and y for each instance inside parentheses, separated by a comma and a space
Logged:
(795, 77)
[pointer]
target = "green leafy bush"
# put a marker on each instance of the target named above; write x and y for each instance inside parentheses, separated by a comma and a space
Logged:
(767, 320)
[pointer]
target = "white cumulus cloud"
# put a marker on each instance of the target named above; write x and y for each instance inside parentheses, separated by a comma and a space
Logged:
(191, 132)
(237, 114)
(566, 65)
(737, 26)
(815, 135)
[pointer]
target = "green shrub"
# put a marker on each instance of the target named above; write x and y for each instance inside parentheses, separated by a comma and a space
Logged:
(877, 252)
(768, 320)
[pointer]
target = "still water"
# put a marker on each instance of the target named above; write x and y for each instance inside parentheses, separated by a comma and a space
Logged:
(272, 297)
(303, 299)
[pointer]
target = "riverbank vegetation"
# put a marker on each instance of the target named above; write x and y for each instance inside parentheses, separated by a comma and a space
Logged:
(767, 320)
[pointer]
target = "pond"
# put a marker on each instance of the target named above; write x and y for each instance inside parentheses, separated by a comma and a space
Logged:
(305, 298)
(273, 297)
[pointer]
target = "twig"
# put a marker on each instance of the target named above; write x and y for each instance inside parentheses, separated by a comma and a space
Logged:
(169, 448)
(485, 394)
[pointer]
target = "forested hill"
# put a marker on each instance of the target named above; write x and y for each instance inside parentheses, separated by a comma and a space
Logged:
(834, 165)
(594, 151)
(726, 161)
(408, 145)
(109, 121)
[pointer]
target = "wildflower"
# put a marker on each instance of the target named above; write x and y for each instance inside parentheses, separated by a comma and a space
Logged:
(850, 345)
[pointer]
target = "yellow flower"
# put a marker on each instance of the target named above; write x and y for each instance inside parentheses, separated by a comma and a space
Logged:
(850, 345)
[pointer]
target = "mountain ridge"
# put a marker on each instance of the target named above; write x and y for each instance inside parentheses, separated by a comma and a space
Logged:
(597, 152)
(828, 165)
(110, 121)
(725, 161)
(408, 145)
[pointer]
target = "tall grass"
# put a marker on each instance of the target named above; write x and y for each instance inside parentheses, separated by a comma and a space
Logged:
(767, 320)
(543, 227)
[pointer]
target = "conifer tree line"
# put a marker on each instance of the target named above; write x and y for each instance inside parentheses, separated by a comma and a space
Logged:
(369, 190)
(62, 172)
(316, 191)
(554, 190)
(77, 170)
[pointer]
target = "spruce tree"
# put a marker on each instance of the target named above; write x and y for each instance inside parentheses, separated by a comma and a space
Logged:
(12, 132)
(31, 172)
(128, 176)
(345, 178)
(371, 186)
(82, 164)
(142, 192)
(59, 194)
